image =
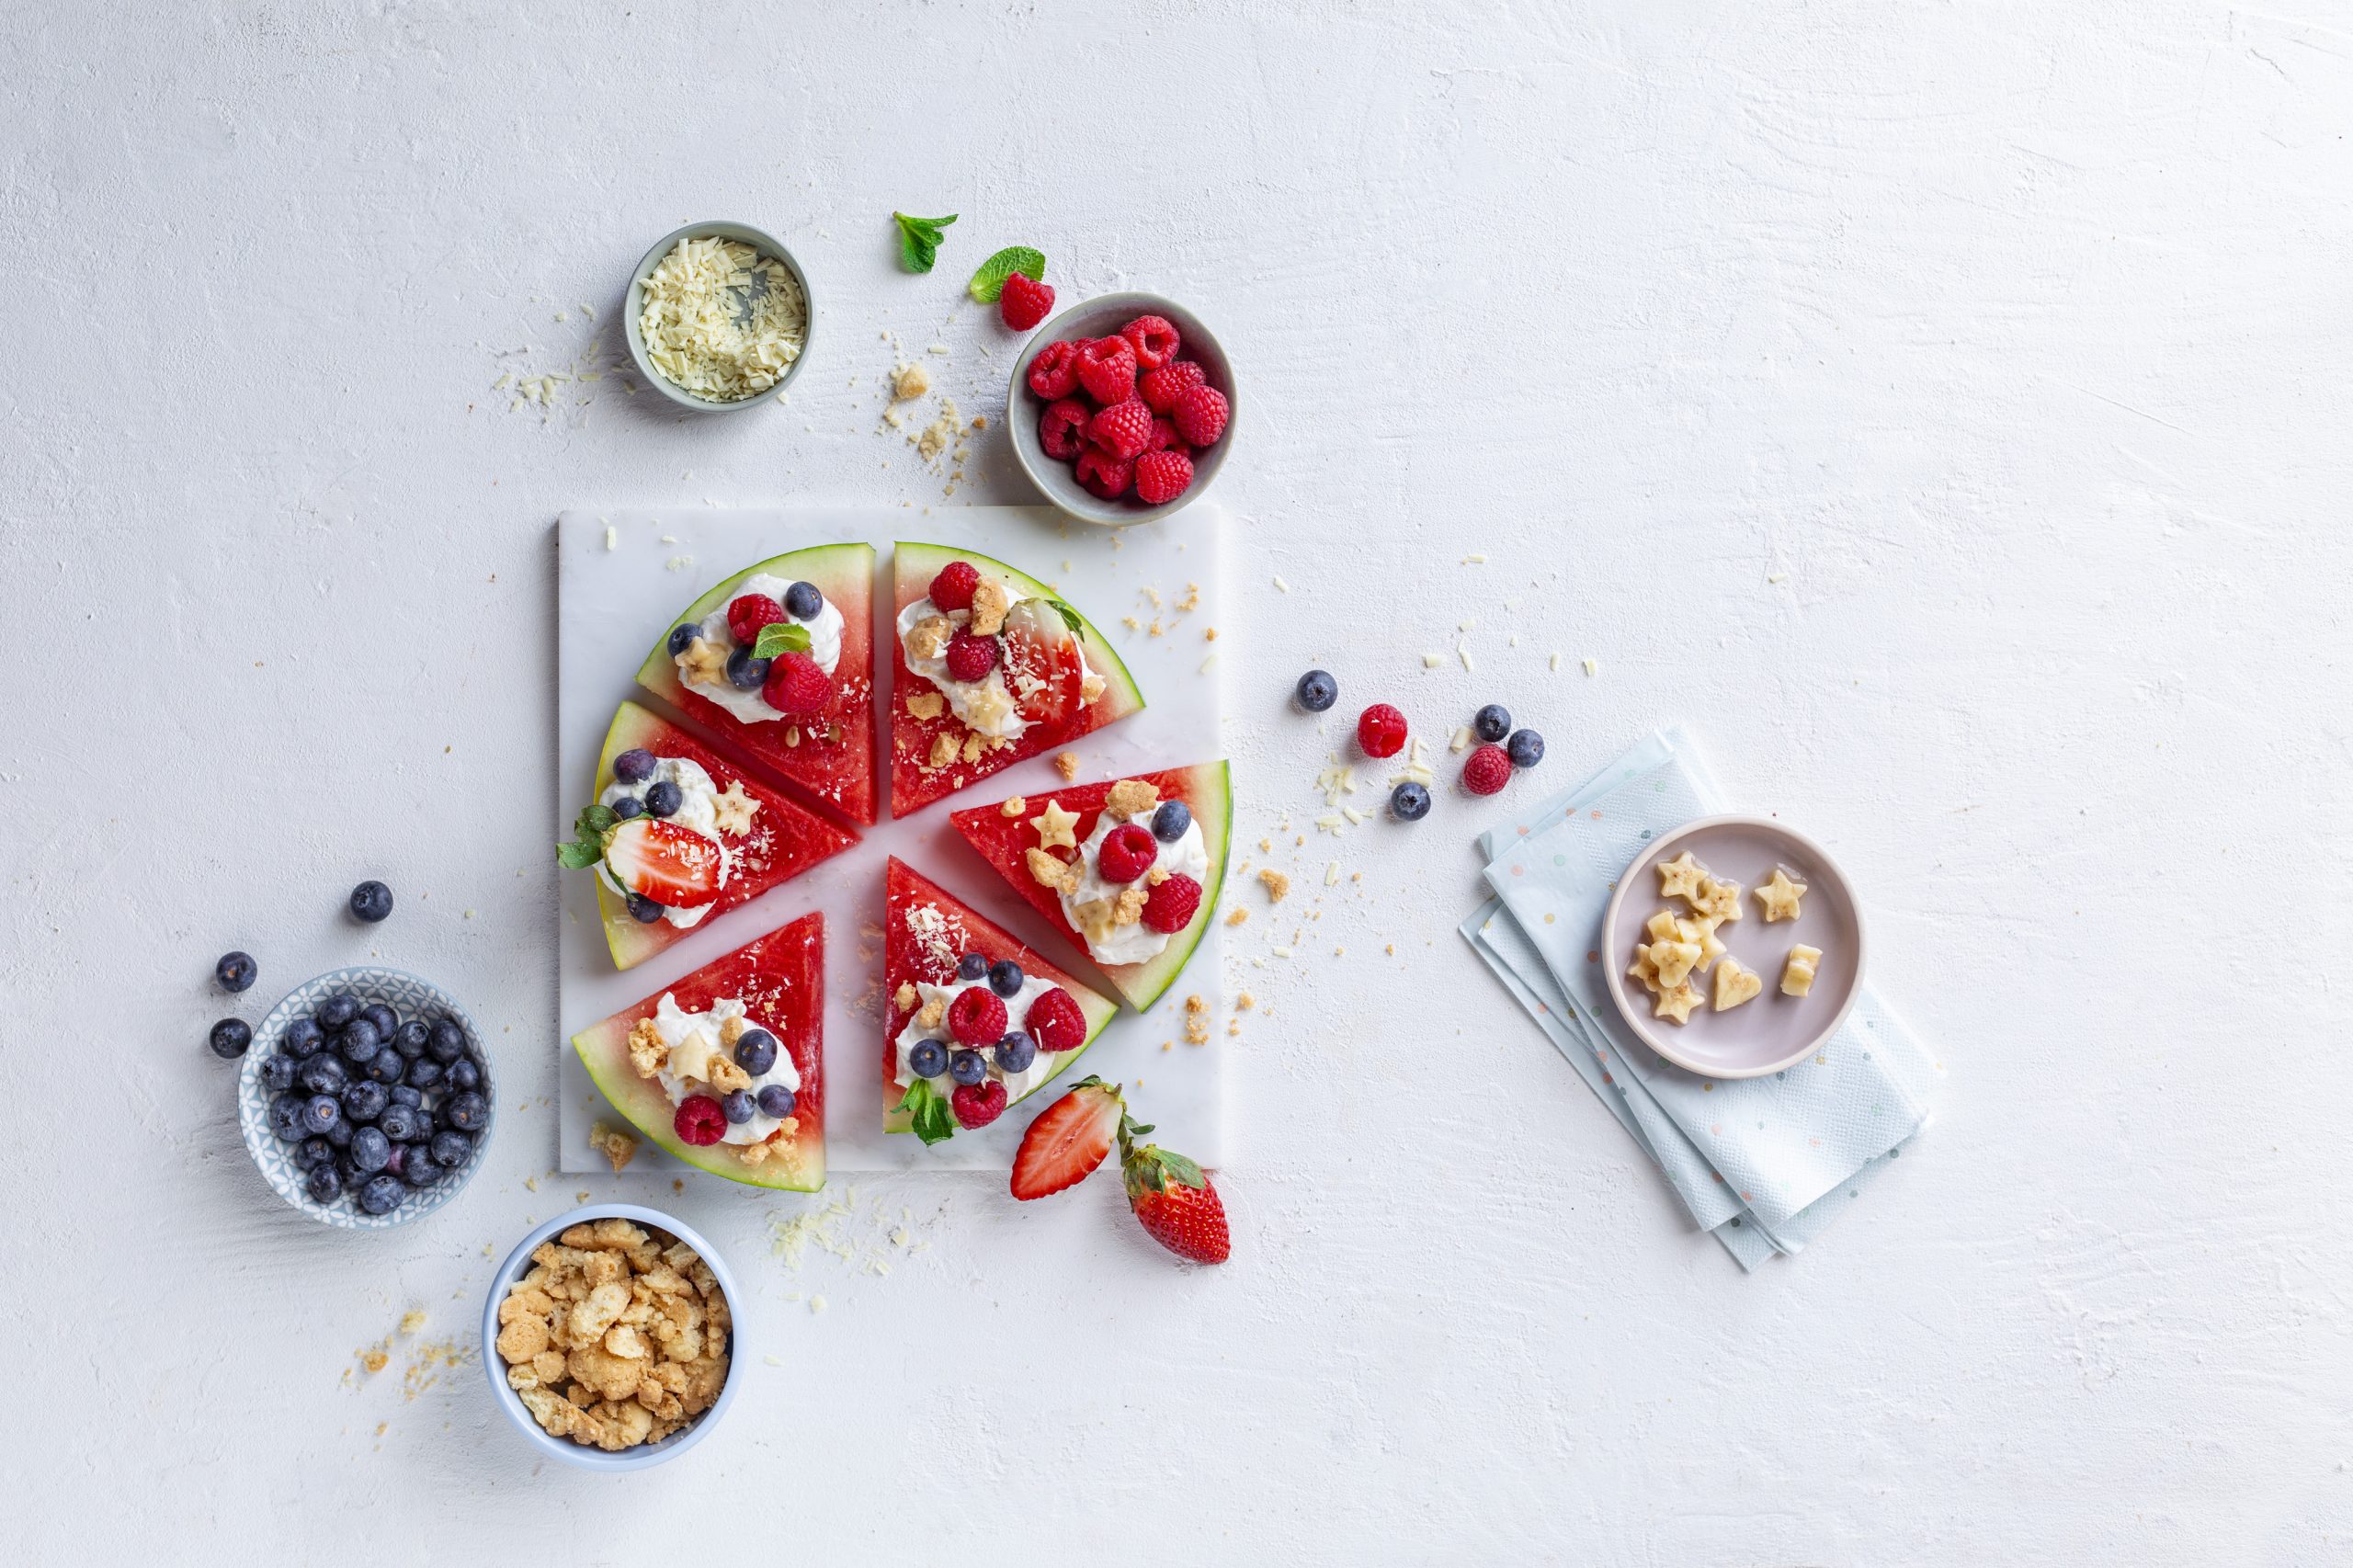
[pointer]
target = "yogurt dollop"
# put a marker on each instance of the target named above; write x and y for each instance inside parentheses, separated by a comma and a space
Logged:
(1016, 1010)
(698, 812)
(824, 647)
(693, 1039)
(1137, 943)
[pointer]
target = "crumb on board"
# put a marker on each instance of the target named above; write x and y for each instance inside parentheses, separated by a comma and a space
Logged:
(1066, 764)
(1277, 884)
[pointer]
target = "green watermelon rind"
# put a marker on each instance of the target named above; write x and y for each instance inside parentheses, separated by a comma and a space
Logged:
(828, 566)
(1144, 984)
(626, 937)
(1101, 657)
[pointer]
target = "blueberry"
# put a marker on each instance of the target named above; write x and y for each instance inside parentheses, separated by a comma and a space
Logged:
(1015, 1053)
(756, 1052)
(403, 1123)
(387, 1068)
(371, 900)
(634, 765)
(344, 1169)
(1318, 690)
(424, 1073)
(447, 1044)
(366, 1100)
(971, 966)
(319, 1113)
(404, 1095)
(276, 1074)
(303, 1038)
(663, 800)
(927, 1058)
(419, 1167)
(359, 1042)
(1005, 978)
(802, 601)
(340, 1133)
(644, 909)
(370, 1150)
(1169, 823)
(682, 637)
(313, 1151)
(321, 1182)
(451, 1148)
(285, 1118)
(776, 1101)
(382, 1195)
(230, 1037)
(410, 1037)
(965, 1067)
(464, 1074)
(1493, 722)
(467, 1112)
(337, 1010)
(387, 1022)
(1409, 802)
(235, 971)
(746, 671)
(628, 806)
(399, 1160)
(1526, 748)
(738, 1107)
(322, 1075)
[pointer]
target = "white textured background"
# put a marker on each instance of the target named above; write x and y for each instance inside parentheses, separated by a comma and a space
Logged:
(2011, 336)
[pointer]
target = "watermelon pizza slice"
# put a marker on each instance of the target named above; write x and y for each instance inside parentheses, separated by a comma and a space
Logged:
(992, 666)
(677, 835)
(780, 659)
(974, 1020)
(725, 1067)
(1129, 871)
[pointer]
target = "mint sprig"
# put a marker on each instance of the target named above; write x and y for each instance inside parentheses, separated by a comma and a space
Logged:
(595, 824)
(989, 281)
(780, 637)
(1070, 618)
(928, 1113)
(919, 240)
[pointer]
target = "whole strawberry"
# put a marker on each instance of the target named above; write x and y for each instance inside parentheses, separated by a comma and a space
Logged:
(1173, 1198)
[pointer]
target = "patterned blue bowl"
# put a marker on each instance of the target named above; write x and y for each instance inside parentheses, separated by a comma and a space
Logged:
(410, 997)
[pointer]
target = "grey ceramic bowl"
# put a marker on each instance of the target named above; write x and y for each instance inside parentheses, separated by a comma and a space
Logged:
(409, 997)
(1102, 318)
(646, 1455)
(767, 245)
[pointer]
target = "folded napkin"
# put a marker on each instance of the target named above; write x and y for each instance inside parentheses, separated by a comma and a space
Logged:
(1762, 1163)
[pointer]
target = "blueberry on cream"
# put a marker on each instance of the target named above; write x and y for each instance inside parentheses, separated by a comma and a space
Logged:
(717, 664)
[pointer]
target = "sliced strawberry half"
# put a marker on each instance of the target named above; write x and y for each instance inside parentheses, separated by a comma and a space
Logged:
(675, 867)
(1043, 666)
(1070, 1139)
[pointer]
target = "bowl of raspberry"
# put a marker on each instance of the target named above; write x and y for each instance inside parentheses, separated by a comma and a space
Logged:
(1122, 409)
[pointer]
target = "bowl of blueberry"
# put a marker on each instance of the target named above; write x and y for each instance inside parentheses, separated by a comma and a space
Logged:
(365, 1098)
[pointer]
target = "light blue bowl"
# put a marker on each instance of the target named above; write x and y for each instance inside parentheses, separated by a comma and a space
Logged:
(409, 997)
(646, 1455)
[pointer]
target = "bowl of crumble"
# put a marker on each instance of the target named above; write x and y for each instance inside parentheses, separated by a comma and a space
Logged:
(608, 1336)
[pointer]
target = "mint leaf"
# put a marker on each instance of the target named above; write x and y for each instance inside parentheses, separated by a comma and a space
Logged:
(927, 1112)
(780, 637)
(1070, 618)
(989, 281)
(919, 240)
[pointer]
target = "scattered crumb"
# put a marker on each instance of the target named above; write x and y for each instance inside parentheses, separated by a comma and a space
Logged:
(908, 383)
(1332, 875)
(412, 1320)
(612, 536)
(1245, 1001)
(1277, 884)
(1556, 661)
(1281, 586)
(677, 563)
(1475, 560)
(1236, 915)
(1593, 666)
(816, 1304)
(1462, 651)
(1209, 635)
(1432, 661)
(1463, 738)
(1066, 764)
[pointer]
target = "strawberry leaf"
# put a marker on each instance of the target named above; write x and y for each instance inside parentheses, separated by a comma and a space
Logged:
(587, 846)
(780, 637)
(579, 854)
(989, 281)
(928, 1113)
(1070, 618)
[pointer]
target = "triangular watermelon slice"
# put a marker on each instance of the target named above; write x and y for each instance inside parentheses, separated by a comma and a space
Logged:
(1040, 652)
(781, 980)
(783, 840)
(831, 756)
(1004, 842)
(927, 931)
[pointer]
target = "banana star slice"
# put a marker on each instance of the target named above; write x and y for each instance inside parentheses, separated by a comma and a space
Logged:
(1779, 898)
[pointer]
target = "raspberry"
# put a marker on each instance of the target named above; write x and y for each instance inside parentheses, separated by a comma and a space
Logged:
(747, 613)
(971, 657)
(796, 685)
(1124, 430)
(1062, 430)
(977, 1105)
(1054, 372)
(1055, 1022)
(1127, 853)
(699, 1121)
(953, 589)
(977, 1017)
(1201, 415)
(1163, 387)
(1161, 477)
(1103, 474)
(1164, 436)
(1153, 338)
(1487, 769)
(1381, 729)
(1172, 905)
(1025, 303)
(1106, 368)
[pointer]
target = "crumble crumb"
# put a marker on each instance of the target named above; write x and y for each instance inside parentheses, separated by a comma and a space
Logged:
(910, 382)
(925, 704)
(1237, 915)
(1014, 807)
(1277, 884)
(1066, 764)
(618, 1147)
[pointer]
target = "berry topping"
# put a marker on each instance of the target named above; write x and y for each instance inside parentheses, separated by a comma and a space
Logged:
(423, 1073)
(737, 1106)
(976, 1016)
(1103, 475)
(1492, 722)
(1381, 731)
(1153, 338)
(1015, 1053)
(229, 1039)
(776, 1101)
(635, 766)
(1055, 1022)
(1317, 690)
(1054, 372)
(1170, 907)
(682, 637)
(671, 865)
(628, 806)
(796, 685)
(1127, 853)
(1106, 368)
(971, 966)
(384, 1019)
(1069, 1141)
(967, 1067)
(756, 1052)
(970, 658)
(1005, 978)
(365, 1100)
(1161, 477)
(1163, 387)
(235, 972)
(746, 671)
(1201, 415)
(1025, 303)
(927, 1058)
(805, 601)
(1124, 430)
(1062, 430)
(699, 1121)
(1409, 802)
(664, 798)
(371, 902)
(1526, 748)
(643, 910)
(463, 1075)
(1173, 1198)
(977, 1105)
(387, 1067)
(1169, 823)
(953, 589)
(1486, 770)
(403, 1123)
(746, 613)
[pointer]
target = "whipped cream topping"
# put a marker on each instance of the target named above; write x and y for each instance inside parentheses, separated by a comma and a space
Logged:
(824, 647)
(698, 812)
(693, 1039)
(1137, 943)
(1016, 1010)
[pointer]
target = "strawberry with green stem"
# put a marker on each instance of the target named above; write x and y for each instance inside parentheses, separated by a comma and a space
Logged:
(1173, 1198)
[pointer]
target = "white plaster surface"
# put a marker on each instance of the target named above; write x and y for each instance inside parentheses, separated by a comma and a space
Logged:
(1943, 408)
